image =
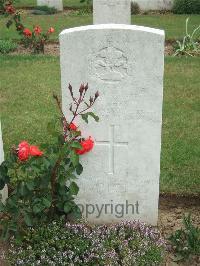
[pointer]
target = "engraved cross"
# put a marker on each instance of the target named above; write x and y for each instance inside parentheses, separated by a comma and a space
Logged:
(111, 143)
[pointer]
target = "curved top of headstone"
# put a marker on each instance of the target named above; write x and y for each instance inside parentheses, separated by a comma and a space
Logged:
(112, 27)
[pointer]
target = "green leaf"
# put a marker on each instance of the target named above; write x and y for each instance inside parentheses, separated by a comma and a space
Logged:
(96, 118)
(2, 184)
(86, 115)
(79, 169)
(23, 189)
(76, 213)
(30, 185)
(2, 207)
(67, 207)
(62, 190)
(46, 202)
(4, 178)
(74, 158)
(76, 145)
(27, 219)
(73, 188)
(37, 208)
(62, 180)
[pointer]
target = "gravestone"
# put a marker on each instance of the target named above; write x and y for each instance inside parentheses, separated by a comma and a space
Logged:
(154, 4)
(125, 63)
(58, 4)
(4, 192)
(114, 11)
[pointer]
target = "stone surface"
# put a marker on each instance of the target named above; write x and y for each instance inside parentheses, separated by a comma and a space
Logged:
(114, 11)
(3, 192)
(155, 4)
(125, 63)
(58, 4)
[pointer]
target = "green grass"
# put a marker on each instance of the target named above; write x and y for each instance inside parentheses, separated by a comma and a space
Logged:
(26, 106)
(174, 25)
(32, 3)
(180, 162)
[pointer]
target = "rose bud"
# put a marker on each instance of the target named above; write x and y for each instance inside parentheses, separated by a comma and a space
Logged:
(91, 100)
(86, 87)
(82, 88)
(73, 127)
(96, 95)
(37, 30)
(70, 89)
(51, 30)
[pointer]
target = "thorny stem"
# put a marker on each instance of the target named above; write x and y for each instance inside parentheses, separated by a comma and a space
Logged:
(77, 102)
(86, 109)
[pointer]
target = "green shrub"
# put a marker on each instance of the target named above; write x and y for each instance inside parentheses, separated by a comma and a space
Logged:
(45, 10)
(127, 243)
(186, 7)
(189, 46)
(135, 8)
(7, 46)
(42, 184)
(186, 241)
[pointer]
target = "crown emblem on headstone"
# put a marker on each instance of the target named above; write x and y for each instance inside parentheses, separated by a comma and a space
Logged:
(110, 64)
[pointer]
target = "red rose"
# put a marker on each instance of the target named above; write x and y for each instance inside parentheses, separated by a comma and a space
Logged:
(37, 30)
(51, 30)
(27, 33)
(10, 9)
(23, 144)
(72, 126)
(34, 151)
(87, 145)
(23, 151)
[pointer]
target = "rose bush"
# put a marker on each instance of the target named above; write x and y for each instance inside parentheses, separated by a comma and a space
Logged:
(6, 7)
(42, 181)
(33, 39)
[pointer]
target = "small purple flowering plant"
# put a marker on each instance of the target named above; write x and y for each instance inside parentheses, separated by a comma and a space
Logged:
(126, 243)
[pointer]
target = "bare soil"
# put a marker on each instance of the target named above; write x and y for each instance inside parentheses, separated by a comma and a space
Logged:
(171, 211)
(54, 49)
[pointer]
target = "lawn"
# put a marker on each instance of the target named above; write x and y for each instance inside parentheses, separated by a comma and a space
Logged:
(26, 106)
(66, 3)
(174, 25)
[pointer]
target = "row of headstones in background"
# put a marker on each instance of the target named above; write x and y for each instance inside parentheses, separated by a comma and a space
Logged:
(126, 64)
(111, 7)
(146, 5)
(58, 4)
(4, 192)
(143, 4)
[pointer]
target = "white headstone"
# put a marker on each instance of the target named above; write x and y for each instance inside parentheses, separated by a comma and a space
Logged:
(3, 192)
(58, 4)
(125, 63)
(112, 11)
(154, 4)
